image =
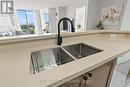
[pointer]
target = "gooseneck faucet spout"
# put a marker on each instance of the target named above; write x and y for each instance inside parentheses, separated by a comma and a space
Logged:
(59, 38)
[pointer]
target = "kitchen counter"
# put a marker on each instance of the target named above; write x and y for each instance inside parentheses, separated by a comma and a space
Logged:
(15, 57)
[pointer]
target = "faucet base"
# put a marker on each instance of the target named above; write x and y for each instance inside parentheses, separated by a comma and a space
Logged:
(59, 40)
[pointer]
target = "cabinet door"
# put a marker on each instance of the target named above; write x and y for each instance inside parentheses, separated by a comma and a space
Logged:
(100, 76)
(77, 82)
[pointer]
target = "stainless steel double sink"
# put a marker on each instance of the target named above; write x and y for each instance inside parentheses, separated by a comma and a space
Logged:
(50, 58)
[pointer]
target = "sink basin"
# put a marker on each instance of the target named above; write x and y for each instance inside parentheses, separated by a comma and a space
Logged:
(81, 50)
(48, 59)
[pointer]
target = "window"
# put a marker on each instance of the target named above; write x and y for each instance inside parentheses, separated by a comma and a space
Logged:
(26, 21)
(45, 21)
(80, 18)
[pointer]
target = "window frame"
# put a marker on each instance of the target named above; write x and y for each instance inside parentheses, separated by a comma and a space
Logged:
(26, 18)
(42, 20)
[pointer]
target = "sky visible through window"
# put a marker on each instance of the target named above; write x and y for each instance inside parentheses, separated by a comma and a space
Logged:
(21, 17)
(26, 21)
(45, 17)
(21, 14)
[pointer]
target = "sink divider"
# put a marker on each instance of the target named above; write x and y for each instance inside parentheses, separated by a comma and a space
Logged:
(68, 53)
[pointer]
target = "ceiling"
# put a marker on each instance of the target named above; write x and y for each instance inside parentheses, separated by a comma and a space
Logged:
(44, 3)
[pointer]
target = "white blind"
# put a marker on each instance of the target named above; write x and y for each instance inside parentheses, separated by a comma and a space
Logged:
(5, 22)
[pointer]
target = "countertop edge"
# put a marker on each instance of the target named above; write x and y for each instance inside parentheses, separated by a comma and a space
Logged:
(26, 38)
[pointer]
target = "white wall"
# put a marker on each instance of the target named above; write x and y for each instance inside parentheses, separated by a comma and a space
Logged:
(28, 5)
(70, 10)
(92, 11)
(61, 12)
(125, 23)
(43, 3)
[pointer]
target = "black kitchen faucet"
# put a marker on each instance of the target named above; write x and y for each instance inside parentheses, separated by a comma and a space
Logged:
(59, 38)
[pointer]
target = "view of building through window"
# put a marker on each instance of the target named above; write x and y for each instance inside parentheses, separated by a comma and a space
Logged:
(26, 21)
